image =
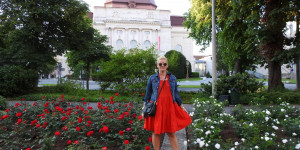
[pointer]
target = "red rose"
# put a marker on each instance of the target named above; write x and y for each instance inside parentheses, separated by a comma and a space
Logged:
(140, 117)
(76, 142)
(90, 108)
(33, 122)
(7, 110)
(62, 96)
(130, 104)
(78, 129)
(28, 149)
(121, 132)
(38, 125)
(19, 114)
(134, 115)
(34, 104)
(19, 121)
(57, 133)
(117, 94)
(73, 97)
(150, 139)
(83, 99)
(112, 98)
(90, 133)
(116, 110)
(46, 111)
(125, 105)
(104, 148)
(105, 129)
(147, 148)
(128, 129)
(79, 120)
(130, 121)
(69, 142)
(43, 97)
(84, 103)
(46, 104)
(142, 94)
(65, 128)
(64, 118)
(126, 142)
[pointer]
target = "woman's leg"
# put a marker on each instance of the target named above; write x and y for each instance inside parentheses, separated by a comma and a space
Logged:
(173, 140)
(156, 141)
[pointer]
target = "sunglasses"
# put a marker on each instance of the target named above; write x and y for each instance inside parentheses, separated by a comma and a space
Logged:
(162, 64)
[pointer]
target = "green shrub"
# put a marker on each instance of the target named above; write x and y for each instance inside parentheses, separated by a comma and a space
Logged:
(195, 74)
(16, 80)
(3, 103)
(208, 75)
(177, 63)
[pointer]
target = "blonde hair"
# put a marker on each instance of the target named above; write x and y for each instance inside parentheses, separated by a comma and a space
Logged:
(160, 58)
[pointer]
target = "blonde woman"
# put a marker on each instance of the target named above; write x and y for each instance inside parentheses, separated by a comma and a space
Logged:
(170, 115)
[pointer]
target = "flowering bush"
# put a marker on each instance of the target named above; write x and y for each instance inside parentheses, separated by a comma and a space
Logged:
(259, 127)
(52, 124)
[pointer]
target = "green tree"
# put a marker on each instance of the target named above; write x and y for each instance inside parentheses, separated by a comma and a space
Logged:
(95, 51)
(127, 70)
(177, 64)
(32, 33)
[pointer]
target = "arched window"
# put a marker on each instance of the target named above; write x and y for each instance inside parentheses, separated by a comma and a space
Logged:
(147, 44)
(119, 44)
(178, 48)
(133, 44)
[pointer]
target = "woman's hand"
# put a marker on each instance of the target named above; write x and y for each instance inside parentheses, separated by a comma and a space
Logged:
(182, 107)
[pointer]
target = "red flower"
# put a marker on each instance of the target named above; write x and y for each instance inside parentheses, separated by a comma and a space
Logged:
(142, 94)
(76, 142)
(86, 112)
(83, 99)
(57, 133)
(104, 148)
(89, 122)
(65, 128)
(19, 114)
(126, 114)
(134, 115)
(7, 110)
(64, 118)
(130, 104)
(79, 120)
(28, 149)
(19, 121)
(120, 117)
(43, 97)
(33, 122)
(38, 125)
(34, 104)
(105, 129)
(69, 142)
(147, 148)
(117, 94)
(84, 103)
(62, 96)
(90, 108)
(73, 97)
(78, 129)
(150, 139)
(140, 117)
(126, 142)
(112, 98)
(90, 133)
(46, 104)
(121, 132)
(128, 129)
(125, 105)
(17, 104)
(116, 110)
(46, 111)
(130, 121)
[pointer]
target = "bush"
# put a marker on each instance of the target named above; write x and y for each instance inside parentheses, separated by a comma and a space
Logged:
(127, 71)
(208, 75)
(3, 103)
(242, 82)
(177, 63)
(195, 74)
(16, 80)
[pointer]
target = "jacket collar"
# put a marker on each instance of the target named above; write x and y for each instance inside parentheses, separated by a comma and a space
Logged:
(168, 73)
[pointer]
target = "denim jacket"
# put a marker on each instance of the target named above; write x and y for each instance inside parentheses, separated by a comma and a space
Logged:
(153, 85)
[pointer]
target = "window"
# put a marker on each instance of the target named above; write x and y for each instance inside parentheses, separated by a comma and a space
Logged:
(147, 33)
(119, 32)
(178, 48)
(133, 32)
(147, 44)
(133, 44)
(119, 44)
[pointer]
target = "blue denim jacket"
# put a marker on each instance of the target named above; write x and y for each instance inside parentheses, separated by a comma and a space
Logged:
(153, 85)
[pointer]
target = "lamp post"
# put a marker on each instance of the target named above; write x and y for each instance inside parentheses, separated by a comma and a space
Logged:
(187, 69)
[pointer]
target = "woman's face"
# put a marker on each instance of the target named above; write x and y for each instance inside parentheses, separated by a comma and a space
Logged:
(162, 65)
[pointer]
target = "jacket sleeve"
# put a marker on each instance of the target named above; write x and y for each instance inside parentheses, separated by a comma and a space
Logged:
(177, 98)
(148, 90)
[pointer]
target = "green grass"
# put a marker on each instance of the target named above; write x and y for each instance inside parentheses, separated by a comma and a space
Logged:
(266, 80)
(190, 79)
(189, 86)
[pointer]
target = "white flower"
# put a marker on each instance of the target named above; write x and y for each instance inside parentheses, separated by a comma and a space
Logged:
(267, 112)
(267, 118)
(243, 139)
(275, 127)
(198, 140)
(232, 148)
(217, 146)
(251, 124)
(236, 143)
(185, 143)
(283, 110)
(297, 146)
(212, 127)
(286, 116)
(267, 138)
(207, 132)
(273, 134)
(221, 121)
(206, 145)
(192, 114)
(256, 147)
(294, 134)
(201, 144)
(284, 141)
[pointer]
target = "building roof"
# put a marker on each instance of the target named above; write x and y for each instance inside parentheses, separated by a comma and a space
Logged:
(177, 20)
(151, 2)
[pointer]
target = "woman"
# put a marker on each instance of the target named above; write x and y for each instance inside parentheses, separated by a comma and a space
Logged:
(170, 115)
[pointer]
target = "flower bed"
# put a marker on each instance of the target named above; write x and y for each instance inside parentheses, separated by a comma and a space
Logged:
(258, 127)
(57, 124)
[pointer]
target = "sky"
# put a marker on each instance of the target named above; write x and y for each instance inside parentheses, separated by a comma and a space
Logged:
(177, 7)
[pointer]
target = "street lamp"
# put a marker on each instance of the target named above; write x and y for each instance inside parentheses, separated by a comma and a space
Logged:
(187, 69)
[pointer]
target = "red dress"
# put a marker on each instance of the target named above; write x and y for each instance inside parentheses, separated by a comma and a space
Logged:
(169, 116)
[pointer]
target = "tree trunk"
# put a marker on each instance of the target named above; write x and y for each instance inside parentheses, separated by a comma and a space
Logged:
(274, 80)
(238, 66)
(87, 76)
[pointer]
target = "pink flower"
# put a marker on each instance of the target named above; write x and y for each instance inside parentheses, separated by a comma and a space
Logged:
(128, 129)
(104, 148)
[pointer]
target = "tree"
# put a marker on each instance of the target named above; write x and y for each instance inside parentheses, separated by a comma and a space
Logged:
(177, 63)
(127, 70)
(235, 50)
(95, 51)
(32, 33)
